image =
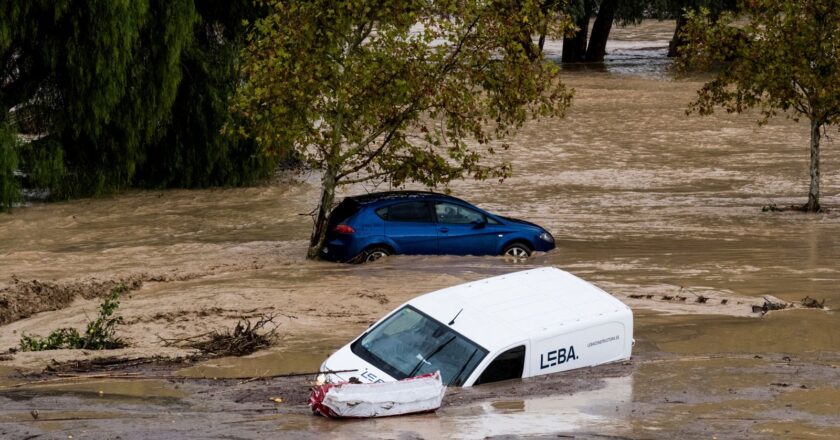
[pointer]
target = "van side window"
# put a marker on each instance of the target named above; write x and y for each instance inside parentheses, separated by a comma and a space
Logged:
(406, 212)
(507, 365)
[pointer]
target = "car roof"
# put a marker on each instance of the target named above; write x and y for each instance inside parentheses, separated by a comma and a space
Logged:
(533, 304)
(365, 199)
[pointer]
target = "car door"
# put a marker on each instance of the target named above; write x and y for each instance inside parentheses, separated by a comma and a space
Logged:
(410, 226)
(464, 231)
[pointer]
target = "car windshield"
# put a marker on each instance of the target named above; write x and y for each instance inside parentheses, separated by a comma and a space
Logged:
(409, 344)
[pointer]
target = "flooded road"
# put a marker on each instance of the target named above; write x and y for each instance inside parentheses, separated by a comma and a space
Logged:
(644, 201)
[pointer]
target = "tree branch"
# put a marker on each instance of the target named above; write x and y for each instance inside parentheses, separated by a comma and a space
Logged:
(363, 179)
(374, 153)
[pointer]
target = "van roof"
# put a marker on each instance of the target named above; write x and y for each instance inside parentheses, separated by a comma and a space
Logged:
(533, 304)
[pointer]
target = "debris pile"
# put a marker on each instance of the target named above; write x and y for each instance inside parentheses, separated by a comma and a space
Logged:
(245, 338)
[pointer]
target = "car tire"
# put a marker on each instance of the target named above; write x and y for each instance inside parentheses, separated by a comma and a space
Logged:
(517, 251)
(374, 254)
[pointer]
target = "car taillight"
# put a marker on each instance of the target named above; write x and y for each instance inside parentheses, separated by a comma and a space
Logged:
(344, 229)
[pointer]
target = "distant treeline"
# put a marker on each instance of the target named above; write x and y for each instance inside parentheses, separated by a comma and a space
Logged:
(96, 96)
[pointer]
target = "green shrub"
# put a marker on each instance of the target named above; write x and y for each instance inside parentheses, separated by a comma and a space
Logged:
(99, 334)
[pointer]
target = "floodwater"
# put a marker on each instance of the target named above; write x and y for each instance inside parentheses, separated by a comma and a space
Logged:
(644, 201)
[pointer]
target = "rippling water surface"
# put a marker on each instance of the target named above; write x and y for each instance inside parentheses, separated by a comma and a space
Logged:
(644, 201)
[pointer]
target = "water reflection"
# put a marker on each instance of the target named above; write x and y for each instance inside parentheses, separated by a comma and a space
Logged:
(605, 410)
(640, 51)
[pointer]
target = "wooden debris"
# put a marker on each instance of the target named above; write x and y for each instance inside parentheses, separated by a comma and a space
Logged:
(245, 338)
(812, 303)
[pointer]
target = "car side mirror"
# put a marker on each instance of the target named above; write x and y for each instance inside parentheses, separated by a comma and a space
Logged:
(478, 224)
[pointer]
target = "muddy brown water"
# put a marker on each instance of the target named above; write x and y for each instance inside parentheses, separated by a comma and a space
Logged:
(644, 201)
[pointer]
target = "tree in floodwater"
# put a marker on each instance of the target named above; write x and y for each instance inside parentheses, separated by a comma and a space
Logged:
(785, 58)
(91, 82)
(9, 189)
(676, 9)
(192, 151)
(581, 45)
(394, 92)
(98, 96)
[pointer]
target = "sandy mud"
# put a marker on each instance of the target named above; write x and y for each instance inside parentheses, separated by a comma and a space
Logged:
(661, 209)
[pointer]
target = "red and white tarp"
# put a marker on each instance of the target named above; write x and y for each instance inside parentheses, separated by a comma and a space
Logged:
(408, 396)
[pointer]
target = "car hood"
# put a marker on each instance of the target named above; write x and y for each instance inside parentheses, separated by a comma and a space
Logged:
(522, 222)
(345, 359)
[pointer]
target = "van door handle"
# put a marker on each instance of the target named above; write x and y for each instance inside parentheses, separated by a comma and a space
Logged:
(444, 230)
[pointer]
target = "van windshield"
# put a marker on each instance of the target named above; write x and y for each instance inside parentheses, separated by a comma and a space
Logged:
(410, 343)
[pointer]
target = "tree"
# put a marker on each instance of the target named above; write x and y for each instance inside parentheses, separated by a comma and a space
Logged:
(574, 42)
(785, 58)
(112, 94)
(93, 80)
(394, 91)
(678, 8)
(576, 47)
(597, 48)
(192, 151)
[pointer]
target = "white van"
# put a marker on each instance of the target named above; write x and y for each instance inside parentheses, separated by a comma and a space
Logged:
(522, 324)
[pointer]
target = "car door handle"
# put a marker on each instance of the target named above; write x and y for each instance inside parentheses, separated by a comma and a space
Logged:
(444, 230)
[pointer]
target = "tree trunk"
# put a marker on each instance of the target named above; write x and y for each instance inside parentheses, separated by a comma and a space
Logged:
(543, 31)
(601, 32)
(319, 230)
(678, 41)
(813, 204)
(574, 47)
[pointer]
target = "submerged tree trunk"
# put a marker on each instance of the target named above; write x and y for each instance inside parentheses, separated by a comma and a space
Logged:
(574, 47)
(813, 204)
(678, 41)
(319, 230)
(601, 32)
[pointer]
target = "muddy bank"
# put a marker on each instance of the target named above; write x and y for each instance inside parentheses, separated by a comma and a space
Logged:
(656, 395)
(136, 398)
(23, 298)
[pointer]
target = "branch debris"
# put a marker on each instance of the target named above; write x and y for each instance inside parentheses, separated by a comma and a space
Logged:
(245, 338)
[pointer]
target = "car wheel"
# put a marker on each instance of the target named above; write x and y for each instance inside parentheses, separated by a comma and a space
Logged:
(374, 254)
(517, 251)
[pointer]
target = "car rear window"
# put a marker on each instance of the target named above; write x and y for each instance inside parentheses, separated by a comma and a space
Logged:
(344, 210)
(406, 212)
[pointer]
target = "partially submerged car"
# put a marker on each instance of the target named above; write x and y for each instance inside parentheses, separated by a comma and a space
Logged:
(368, 227)
(518, 325)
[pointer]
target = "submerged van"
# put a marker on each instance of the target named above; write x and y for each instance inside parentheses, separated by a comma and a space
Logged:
(522, 324)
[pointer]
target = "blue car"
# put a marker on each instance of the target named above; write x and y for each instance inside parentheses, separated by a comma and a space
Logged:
(368, 227)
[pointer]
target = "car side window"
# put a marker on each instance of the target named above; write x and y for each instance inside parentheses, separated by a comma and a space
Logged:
(382, 212)
(456, 214)
(508, 365)
(406, 212)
